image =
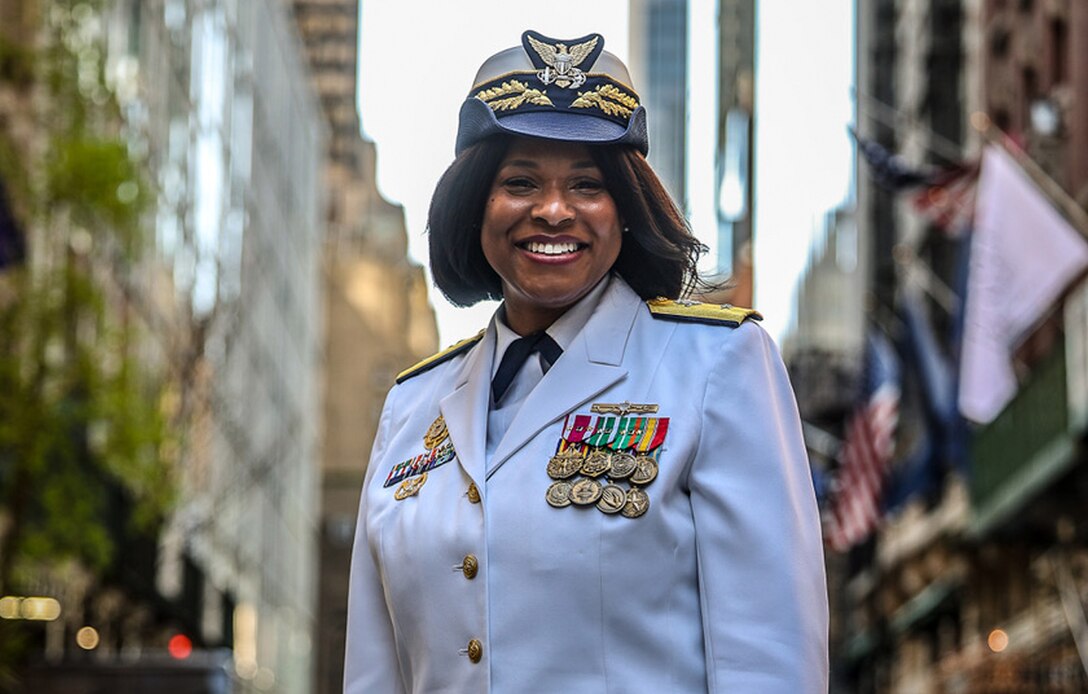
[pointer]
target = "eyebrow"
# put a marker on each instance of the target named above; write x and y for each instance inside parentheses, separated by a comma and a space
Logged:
(532, 163)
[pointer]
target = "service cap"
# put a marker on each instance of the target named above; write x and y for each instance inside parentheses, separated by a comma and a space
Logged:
(571, 90)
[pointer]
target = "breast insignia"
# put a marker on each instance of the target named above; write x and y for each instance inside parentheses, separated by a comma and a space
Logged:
(436, 359)
(695, 312)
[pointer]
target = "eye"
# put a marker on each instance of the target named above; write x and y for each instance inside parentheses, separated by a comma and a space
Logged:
(518, 184)
(588, 185)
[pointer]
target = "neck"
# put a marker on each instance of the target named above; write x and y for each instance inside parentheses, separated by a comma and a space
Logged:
(526, 320)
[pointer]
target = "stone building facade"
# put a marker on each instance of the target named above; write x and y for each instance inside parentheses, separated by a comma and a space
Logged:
(377, 315)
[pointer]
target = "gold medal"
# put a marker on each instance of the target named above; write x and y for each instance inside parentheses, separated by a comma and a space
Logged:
(436, 433)
(622, 465)
(564, 465)
(612, 500)
(410, 487)
(637, 503)
(646, 470)
(596, 463)
(585, 491)
(558, 494)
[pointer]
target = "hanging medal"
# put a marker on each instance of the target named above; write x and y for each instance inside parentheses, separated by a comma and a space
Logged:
(598, 452)
(566, 461)
(647, 452)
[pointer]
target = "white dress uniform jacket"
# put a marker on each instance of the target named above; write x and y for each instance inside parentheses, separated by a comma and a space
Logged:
(718, 587)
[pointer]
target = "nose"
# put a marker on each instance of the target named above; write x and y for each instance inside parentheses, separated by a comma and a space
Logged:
(553, 208)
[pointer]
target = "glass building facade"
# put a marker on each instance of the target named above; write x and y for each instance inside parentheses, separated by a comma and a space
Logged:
(217, 95)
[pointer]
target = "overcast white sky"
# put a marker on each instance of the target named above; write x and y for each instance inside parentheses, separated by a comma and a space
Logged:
(418, 59)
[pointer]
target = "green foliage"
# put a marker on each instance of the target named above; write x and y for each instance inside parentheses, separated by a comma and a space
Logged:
(77, 419)
(81, 423)
(98, 182)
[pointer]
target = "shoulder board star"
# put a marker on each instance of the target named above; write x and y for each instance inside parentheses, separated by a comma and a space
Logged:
(695, 312)
(436, 359)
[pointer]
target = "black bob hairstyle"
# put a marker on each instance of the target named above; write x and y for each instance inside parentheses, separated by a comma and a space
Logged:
(657, 257)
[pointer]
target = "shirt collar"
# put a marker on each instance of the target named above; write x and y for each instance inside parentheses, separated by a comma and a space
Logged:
(563, 330)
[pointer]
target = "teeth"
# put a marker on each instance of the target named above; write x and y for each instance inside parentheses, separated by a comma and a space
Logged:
(551, 248)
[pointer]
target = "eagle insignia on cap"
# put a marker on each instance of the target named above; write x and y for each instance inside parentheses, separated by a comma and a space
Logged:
(561, 63)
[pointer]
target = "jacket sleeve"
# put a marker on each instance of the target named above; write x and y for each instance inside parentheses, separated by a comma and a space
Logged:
(761, 572)
(370, 659)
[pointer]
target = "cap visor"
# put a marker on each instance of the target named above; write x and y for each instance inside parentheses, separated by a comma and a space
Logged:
(570, 127)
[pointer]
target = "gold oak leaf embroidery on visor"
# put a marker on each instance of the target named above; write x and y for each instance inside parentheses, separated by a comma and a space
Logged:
(516, 95)
(609, 98)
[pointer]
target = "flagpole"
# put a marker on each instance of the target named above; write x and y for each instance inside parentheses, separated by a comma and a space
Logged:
(889, 116)
(909, 266)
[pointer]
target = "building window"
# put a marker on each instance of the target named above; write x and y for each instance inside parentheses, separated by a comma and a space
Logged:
(1029, 91)
(1058, 51)
(999, 42)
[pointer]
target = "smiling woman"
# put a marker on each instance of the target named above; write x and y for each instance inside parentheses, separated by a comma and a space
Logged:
(657, 259)
(606, 489)
(550, 230)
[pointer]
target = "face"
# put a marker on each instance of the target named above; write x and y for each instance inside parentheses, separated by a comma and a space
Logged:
(550, 230)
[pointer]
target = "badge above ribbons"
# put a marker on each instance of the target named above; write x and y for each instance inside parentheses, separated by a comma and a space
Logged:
(412, 473)
(614, 443)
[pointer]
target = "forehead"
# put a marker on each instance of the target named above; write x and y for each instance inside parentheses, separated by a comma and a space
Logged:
(525, 151)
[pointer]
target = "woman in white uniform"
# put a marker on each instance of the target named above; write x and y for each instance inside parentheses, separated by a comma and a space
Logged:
(606, 490)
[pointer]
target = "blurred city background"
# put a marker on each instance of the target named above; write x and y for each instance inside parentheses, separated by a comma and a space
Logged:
(211, 268)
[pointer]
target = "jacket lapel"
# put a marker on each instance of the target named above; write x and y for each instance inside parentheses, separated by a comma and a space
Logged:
(592, 363)
(465, 409)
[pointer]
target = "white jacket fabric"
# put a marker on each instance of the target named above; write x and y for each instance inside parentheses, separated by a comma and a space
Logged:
(719, 587)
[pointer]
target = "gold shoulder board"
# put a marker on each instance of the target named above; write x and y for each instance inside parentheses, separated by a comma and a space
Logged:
(695, 312)
(436, 359)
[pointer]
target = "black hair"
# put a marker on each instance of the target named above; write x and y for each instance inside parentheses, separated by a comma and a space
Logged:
(657, 257)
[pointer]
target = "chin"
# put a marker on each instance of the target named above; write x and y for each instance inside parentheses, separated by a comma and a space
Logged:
(553, 299)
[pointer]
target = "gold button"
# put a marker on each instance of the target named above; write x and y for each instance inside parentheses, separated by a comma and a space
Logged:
(475, 650)
(473, 493)
(470, 566)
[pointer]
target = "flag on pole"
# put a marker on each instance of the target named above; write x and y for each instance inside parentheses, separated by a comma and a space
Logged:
(1024, 255)
(948, 200)
(867, 448)
(927, 403)
(944, 195)
(888, 170)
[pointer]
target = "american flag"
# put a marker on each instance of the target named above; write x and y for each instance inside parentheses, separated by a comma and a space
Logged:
(945, 195)
(890, 171)
(948, 201)
(867, 449)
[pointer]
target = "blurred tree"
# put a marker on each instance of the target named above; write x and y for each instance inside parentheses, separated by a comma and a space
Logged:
(82, 409)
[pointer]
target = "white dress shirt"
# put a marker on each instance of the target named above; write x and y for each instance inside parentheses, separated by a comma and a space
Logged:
(563, 331)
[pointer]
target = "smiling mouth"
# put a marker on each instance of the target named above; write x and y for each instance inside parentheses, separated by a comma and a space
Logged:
(551, 248)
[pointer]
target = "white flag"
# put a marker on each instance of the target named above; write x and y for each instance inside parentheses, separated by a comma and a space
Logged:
(1024, 254)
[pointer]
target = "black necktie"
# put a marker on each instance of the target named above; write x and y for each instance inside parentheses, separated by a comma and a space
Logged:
(516, 354)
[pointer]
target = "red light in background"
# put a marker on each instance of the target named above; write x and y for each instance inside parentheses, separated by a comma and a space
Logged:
(180, 646)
